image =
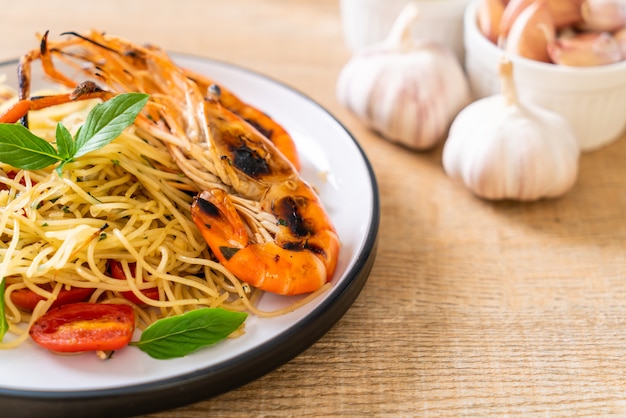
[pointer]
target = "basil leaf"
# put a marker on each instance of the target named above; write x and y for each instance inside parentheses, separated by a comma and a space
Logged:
(4, 325)
(107, 120)
(180, 335)
(65, 142)
(21, 148)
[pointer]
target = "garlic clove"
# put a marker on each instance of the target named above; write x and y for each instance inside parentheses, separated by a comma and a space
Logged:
(603, 15)
(510, 14)
(566, 12)
(620, 37)
(531, 31)
(489, 18)
(503, 148)
(406, 90)
(585, 49)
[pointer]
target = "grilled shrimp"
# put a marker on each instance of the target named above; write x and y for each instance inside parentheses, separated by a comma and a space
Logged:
(303, 254)
(222, 144)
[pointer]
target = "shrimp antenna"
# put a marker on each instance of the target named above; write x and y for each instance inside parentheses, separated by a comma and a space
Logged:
(83, 37)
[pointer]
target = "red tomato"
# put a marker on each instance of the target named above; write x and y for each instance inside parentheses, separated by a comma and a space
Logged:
(115, 268)
(12, 174)
(27, 299)
(85, 327)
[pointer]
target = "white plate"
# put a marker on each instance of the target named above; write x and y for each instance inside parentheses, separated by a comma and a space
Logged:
(32, 380)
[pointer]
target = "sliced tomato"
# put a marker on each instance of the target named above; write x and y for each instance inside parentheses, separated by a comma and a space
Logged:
(27, 299)
(85, 327)
(116, 271)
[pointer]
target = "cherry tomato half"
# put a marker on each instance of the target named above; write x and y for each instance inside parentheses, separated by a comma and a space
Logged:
(27, 299)
(85, 327)
(115, 268)
(12, 174)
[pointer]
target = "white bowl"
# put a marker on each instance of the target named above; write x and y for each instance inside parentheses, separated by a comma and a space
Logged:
(368, 21)
(593, 99)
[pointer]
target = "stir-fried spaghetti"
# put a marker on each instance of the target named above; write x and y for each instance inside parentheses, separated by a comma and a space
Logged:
(126, 202)
(198, 203)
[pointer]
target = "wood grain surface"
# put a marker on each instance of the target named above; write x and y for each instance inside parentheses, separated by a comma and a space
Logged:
(472, 308)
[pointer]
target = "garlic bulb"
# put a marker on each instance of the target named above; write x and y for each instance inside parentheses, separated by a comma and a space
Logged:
(406, 90)
(502, 148)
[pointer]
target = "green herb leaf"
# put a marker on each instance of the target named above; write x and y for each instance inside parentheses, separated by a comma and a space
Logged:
(107, 120)
(65, 142)
(180, 335)
(21, 148)
(4, 325)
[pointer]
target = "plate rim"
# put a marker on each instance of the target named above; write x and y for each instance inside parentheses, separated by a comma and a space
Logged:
(207, 382)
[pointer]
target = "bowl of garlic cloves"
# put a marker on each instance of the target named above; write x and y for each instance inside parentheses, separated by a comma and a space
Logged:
(569, 57)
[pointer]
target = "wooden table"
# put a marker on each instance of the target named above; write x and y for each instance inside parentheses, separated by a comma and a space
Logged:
(472, 308)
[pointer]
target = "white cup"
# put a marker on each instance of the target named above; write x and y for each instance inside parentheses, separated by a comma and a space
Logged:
(368, 21)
